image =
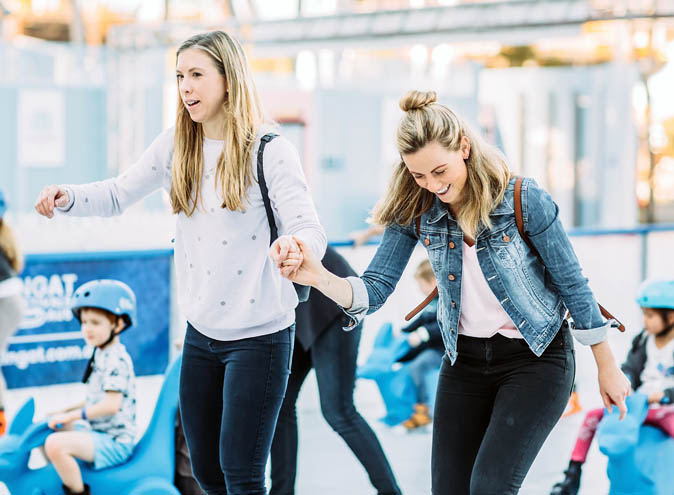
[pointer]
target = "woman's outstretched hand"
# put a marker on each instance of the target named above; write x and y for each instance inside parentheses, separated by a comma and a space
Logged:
(49, 198)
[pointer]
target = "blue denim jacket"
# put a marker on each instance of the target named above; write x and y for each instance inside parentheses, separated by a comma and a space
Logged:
(535, 295)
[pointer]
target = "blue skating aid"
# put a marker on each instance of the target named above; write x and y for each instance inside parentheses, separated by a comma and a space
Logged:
(640, 457)
(148, 471)
(616, 437)
(392, 378)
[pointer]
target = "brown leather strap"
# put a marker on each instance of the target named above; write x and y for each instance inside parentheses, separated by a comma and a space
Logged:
(422, 305)
(418, 222)
(609, 316)
(519, 220)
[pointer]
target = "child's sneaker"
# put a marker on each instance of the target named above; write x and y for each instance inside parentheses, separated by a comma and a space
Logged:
(420, 417)
(3, 422)
(68, 491)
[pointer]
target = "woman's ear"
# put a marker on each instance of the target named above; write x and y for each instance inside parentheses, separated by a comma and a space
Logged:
(465, 147)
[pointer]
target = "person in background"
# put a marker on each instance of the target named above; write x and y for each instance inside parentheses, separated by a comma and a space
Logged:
(649, 366)
(11, 290)
(427, 348)
(321, 344)
(360, 237)
(104, 308)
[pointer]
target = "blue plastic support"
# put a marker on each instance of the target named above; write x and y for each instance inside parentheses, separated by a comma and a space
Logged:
(150, 469)
(640, 457)
(393, 379)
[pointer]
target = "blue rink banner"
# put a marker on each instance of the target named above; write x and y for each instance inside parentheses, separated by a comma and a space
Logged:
(48, 347)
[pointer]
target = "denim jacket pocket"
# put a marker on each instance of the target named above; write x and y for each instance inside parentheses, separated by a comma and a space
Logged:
(433, 240)
(507, 243)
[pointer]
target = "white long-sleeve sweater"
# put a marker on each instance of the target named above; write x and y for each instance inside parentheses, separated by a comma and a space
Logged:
(228, 286)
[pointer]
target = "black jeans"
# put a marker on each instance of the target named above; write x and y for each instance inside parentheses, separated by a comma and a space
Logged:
(494, 409)
(230, 396)
(333, 356)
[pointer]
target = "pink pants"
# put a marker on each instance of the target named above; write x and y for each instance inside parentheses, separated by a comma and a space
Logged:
(662, 417)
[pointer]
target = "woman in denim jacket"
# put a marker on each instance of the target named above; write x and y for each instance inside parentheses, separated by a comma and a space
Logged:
(509, 367)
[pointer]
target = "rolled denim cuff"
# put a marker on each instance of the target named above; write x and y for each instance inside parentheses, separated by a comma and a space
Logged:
(359, 304)
(591, 336)
(71, 200)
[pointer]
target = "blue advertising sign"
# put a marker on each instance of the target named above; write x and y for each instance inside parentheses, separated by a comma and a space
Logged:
(48, 347)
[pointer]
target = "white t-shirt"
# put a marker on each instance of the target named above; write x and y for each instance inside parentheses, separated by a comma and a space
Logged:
(481, 313)
(658, 373)
(228, 287)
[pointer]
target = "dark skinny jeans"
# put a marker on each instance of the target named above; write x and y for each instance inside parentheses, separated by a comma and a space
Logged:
(230, 396)
(494, 409)
(333, 356)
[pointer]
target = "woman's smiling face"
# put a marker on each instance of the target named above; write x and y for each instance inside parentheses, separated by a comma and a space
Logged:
(439, 170)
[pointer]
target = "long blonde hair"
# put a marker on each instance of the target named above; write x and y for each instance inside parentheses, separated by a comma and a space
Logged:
(243, 116)
(426, 121)
(9, 247)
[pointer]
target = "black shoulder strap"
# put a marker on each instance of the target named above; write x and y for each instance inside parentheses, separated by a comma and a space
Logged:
(263, 186)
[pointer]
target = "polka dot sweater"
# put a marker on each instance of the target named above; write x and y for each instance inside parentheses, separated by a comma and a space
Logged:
(227, 285)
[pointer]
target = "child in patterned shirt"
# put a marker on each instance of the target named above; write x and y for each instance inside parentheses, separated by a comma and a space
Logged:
(104, 309)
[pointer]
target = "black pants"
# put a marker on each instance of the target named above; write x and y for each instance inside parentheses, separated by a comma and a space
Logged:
(494, 409)
(230, 396)
(333, 356)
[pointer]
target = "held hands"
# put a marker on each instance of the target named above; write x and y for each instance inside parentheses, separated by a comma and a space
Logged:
(286, 254)
(302, 268)
(614, 388)
(49, 198)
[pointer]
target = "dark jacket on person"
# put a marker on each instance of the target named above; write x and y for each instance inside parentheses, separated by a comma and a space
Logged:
(319, 313)
(429, 320)
(6, 270)
(636, 362)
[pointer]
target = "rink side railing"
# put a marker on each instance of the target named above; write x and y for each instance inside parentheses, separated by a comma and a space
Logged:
(615, 261)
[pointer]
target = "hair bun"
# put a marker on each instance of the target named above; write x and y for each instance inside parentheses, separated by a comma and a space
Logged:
(416, 100)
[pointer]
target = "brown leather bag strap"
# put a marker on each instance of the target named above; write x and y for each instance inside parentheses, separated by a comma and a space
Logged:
(519, 220)
(422, 305)
(604, 312)
(418, 222)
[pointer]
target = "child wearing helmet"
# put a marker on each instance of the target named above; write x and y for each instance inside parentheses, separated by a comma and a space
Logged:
(104, 308)
(649, 366)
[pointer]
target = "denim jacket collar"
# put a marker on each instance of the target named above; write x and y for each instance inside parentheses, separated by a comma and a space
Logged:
(440, 209)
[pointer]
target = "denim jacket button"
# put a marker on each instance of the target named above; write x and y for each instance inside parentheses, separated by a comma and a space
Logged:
(451, 245)
(453, 304)
(427, 241)
(506, 238)
(450, 277)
